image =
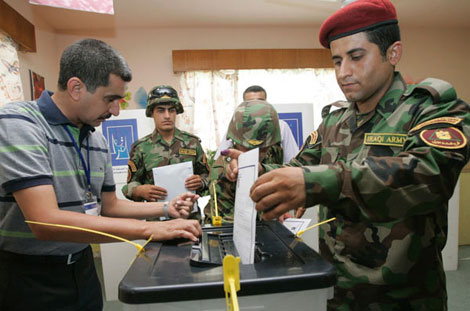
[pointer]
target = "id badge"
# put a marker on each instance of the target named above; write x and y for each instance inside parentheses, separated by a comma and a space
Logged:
(91, 205)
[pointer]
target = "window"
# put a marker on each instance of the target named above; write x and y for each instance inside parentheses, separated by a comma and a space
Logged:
(210, 97)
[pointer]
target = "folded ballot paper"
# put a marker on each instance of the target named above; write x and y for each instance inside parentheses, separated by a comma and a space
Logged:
(172, 177)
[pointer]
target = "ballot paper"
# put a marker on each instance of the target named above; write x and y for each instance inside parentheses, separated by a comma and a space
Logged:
(244, 224)
(172, 177)
(296, 224)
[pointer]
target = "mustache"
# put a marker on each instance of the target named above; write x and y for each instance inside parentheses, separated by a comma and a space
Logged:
(106, 116)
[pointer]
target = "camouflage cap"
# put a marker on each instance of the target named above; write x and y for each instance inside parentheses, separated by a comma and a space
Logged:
(163, 95)
(254, 124)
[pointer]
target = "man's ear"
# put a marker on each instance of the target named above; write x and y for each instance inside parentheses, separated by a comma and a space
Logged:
(75, 88)
(394, 53)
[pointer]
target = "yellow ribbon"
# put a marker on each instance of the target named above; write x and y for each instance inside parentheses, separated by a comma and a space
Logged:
(216, 220)
(315, 225)
(139, 247)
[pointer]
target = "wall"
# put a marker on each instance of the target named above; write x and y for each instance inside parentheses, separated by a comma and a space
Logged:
(148, 51)
(45, 60)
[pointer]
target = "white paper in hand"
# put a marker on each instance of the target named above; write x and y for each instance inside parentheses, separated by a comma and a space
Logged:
(244, 223)
(172, 177)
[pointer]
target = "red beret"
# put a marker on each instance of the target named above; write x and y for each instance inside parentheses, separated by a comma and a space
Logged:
(356, 17)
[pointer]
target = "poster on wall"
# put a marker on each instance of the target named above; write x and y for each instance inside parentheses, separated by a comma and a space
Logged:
(294, 120)
(37, 84)
(120, 135)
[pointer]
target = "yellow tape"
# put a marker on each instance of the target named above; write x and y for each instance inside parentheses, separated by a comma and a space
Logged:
(216, 220)
(315, 225)
(139, 247)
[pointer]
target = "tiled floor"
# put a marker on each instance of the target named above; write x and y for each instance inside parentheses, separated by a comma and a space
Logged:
(458, 284)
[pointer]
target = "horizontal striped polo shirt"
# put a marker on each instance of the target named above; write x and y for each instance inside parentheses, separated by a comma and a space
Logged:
(35, 149)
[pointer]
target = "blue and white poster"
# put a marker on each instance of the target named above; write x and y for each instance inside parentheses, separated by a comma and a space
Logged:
(120, 135)
(294, 120)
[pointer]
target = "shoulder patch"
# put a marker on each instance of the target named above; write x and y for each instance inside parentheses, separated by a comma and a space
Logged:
(310, 141)
(132, 166)
(131, 169)
(447, 138)
(442, 120)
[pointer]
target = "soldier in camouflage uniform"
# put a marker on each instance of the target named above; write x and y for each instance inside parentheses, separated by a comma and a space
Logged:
(166, 145)
(384, 164)
(254, 124)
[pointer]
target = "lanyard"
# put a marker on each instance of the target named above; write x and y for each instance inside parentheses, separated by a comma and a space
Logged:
(86, 167)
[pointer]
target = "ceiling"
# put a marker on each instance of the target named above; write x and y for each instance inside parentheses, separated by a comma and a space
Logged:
(243, 13)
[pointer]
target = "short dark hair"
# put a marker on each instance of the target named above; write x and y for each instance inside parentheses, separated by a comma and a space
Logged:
(255, 89)
(384, 37)
(92, 61)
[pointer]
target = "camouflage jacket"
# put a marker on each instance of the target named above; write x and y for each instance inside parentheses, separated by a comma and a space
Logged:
(153, 151)
(225, 189)
(387, 177)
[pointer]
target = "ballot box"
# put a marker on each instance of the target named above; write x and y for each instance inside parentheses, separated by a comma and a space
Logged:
(286, 274)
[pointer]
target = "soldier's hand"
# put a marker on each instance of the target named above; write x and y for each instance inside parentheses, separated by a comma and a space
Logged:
(151, 193)
(182, 205)
(193, 182)
(231, 167)
(176, 228)
(279, 191)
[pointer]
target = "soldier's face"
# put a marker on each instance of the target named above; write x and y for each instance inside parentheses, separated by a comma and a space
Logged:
(164, 117)
(362, 73)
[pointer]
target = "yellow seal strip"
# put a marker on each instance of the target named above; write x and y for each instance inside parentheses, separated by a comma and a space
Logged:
(231, 267)
(216, 220)
(139, 247)
(315, 225)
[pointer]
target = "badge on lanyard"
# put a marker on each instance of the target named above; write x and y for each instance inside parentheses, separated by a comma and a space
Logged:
(90, 205)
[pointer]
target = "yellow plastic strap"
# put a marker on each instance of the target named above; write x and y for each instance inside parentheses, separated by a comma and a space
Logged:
(315, 225)
(216, 220)
(231, 266)
(139, 247)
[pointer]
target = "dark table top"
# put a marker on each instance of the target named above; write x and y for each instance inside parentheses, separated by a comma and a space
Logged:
(164, 273)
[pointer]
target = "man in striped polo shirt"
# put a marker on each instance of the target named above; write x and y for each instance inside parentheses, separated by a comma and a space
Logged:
(55, 169)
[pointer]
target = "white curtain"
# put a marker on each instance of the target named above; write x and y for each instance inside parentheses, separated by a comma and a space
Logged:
(10, 80)
(210, 97)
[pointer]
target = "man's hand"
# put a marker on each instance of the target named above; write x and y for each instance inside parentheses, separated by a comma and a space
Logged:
(284, 217)
(231, 168)
(193, 182)
(150, 193)
(279, 191)
(174, 229)
(299, 212)
(182, 205)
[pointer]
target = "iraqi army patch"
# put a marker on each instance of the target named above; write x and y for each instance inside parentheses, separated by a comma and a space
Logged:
(447, 138)
(187, 151)
(385, 139)
(445, 120)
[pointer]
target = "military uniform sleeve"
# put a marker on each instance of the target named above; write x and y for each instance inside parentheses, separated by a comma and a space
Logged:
(135, 171)
(419, 179)
(201, 167)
